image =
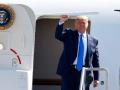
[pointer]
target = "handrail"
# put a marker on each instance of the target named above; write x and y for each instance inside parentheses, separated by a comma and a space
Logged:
(92, 69)
(119, 78)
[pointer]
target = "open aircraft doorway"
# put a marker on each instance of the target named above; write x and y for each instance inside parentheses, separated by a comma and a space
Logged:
(47, 52)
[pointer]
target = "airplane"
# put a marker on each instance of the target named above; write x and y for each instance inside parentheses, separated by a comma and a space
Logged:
(104, 25)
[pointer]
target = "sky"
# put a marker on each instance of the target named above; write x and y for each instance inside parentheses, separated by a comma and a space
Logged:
(49, 6)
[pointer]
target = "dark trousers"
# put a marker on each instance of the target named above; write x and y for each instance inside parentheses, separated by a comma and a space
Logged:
(72, 81)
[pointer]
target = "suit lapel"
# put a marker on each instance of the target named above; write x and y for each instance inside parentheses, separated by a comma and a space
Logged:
(88, 43)
(88, 51)
(76, 35)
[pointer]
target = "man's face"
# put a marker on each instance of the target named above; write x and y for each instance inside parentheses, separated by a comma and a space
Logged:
(81, 25)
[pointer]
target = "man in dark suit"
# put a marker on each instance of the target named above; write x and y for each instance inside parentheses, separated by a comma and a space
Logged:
(80, 50)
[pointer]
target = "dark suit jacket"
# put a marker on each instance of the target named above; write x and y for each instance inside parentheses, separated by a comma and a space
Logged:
(70, 41)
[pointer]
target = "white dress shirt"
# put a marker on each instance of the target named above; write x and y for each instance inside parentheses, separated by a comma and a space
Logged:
(84, 37)
(61, 22)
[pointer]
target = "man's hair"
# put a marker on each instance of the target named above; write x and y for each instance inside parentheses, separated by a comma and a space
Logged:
(82, 17)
